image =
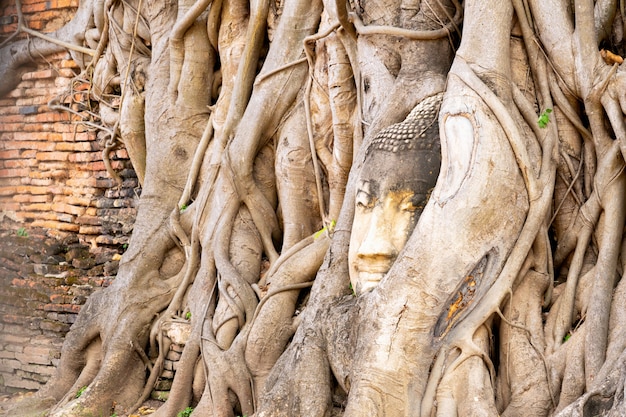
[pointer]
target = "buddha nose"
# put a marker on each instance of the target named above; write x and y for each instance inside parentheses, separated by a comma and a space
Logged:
(377, 242)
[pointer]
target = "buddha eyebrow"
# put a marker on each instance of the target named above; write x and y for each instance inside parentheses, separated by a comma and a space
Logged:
(369, 186)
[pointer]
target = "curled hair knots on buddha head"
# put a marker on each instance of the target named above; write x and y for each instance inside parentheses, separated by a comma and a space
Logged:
(416, 132)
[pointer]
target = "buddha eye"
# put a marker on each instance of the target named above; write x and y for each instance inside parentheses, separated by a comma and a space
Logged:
(364, 200)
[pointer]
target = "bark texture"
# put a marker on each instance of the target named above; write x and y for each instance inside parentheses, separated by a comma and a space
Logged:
(248, 124)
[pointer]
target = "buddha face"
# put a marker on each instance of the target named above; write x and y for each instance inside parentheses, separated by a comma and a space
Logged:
(391, 193)
(400, 169)
(384, 218)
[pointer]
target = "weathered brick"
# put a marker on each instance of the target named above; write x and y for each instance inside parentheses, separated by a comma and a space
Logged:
(15, 381)
(173, 355)
(19, 163)
(87, 191)
(41, 181)
(15, 318)
(90, 230)
(55, 193)
(48, 117)
(167, 374)
(12, 127)
(14, 349)
(67, 208)
(121, 154)
(67, 318)
(28, 136)
(10, 154)
(46, 73)
(82, 182)
(53, 166)
(37, 206)
(61, 299)
(10, 181)
(18, 330)
(38, 102)
(10, 191)
(49, 342)
(18, 92)
(62, 82)
(9, 207)
(68, 63)
(88, 220)
(86, 156)
(76, 147)
(7, 353)
(10, 115)
(14, 172)
(56, 174)
(98, 166)
(60, 4)
(9, 365)
(31, 144)
(123, 202)
(25, 189)
(28, 110)
(52, 156)
(79, 201)
(14, 339)
(41, 370)
(54, 326)
(35, 24)
(67, 308)
(49, 224)
(78, 136)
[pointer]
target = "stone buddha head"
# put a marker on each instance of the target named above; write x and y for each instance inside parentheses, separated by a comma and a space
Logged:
(399, 171)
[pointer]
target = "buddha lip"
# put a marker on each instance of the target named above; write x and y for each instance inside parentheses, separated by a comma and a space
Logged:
(368, 268)
(372, 276)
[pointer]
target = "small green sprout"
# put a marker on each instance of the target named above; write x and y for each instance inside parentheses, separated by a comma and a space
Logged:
(566, 337)
(188, 315)
(80, 391)
(544, 119)
(186, 412)
(352, 289)
(21, 232)
(330, 228)
(183, 207)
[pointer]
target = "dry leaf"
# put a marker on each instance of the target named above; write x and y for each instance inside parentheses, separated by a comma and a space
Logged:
(610, 58)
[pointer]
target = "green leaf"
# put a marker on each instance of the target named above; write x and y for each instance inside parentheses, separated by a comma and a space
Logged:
(185, 413)
(320, 232)
(80, 391)
(544, 119)
(21, 232)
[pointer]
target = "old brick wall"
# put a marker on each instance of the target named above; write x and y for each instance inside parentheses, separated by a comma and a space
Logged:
(63, 221)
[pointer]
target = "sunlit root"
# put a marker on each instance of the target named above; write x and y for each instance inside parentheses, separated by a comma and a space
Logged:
(467, 387)
(132, 132)
(272, 326)
(524, 384)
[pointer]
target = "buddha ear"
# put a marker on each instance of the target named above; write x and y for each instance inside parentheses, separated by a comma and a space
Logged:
(458, 149)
